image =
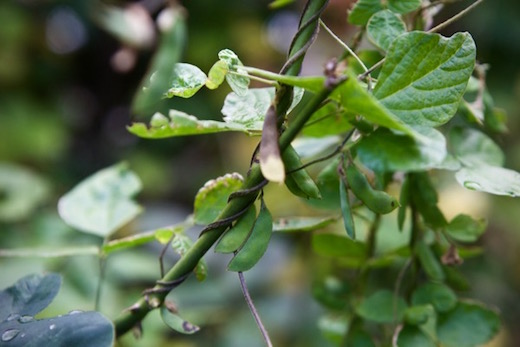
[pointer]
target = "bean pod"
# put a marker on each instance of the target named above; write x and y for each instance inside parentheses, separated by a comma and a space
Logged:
(299, 182)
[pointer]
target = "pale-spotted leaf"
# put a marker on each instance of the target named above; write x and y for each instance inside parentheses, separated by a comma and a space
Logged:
(186, 80)
(237, 76)
(424, 76)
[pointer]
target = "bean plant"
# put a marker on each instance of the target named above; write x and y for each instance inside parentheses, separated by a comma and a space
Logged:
(362, 145)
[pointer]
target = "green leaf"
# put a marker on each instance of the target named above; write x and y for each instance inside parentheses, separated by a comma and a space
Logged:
(358, 337)
(186, 80)
(295, 224)
(346, 210)
(490, 179)
(419, 314)
(235, 237)
(212, 197)
(49, 252)
(466, 229)
(176, 322)
(308, 147)
(330, 119)
(474, 148)
(256, 245)
(411, 336)
(21, 192)
(385, 151)
(468, 325)
(424, 76)
(250, 108)
(429, 261)
(403, 6)
(355, 98)
(239, 84)
(30, 295)
(328, 185)
(182, 124)
(160, 73)
(102, 203)
(334, 327)
(217, 74)
(382, 307)
(440, 296)
(128, 242)
(383, 27)
(331, 245)
(363, 10)
(331, 292)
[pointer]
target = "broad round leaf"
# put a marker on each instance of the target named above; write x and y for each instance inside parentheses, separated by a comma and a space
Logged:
(186, 80)
(382, 307)
(424, 76)
(467, 325)
(21, 191)
(212, 197)
(383, 27)
(363, 10)
(102, 203)
(474, 148)
(411, 336)
(385, 151)
(403, 6)
(466, 229)
(331, 245)
(29, 295)
(490, 179)
(439, 295)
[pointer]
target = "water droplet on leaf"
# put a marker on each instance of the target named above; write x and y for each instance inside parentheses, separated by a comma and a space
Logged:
(75, 312)
(25, 319)
(472, 185)
(13, 316)
(10, 334)
(52, 326)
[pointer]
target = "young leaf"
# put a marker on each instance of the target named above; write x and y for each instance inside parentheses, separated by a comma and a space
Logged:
(468, 325)
(385, 151)
(250, 109)
(187, 79)
(217, 74)
(157, 80)
(212, 197)
(403, 6)
(182, 124)
(363, 10)
(176, 322)
(382, 307)
(238, 83)
(424, 76)
(256, 245)
(102, 203)
(237, 235)
(490, 179)
(383, 27)
(463, 228)
(474, 148)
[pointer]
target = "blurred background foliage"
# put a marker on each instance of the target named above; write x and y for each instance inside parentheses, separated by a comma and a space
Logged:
(66, 87)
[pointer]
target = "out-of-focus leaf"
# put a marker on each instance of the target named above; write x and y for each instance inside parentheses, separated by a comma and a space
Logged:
(474, 148)
(217, 74)
(21, 192)
(331, 292)
(329, 120)
(212, 197)
(328, 184)
(441, 69)
(440, 296)
(383, 27)
(419, 314)
(403, 6)
(467, 325)
(49, 252)
(466, 229)
(160, 73)
(411, 336)
(308, 147)
(102, 203)
(363, 10)
(182, 124)
(384, 151)
(238, 83)
(331, 245)
(181, 244)
(333, 327)
(250, 108)
(186, 80)
(490, 179)
(294, 224)
(382, 307)
(128, 242)
(30, 295)
(176, 322)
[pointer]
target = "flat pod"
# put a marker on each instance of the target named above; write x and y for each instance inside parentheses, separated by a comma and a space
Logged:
(346, 210)
(376, 200)
(256, 245)
(237, 235)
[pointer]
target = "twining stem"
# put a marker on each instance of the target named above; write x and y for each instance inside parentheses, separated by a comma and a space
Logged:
(253, 310)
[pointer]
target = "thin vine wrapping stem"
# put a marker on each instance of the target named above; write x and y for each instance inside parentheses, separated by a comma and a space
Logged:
(155, 297)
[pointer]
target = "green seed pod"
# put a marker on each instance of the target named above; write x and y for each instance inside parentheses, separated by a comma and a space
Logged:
(429, 262)
(376, 200)
(298, 182)
(237, 235)
(256, 245)
(348, 221)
